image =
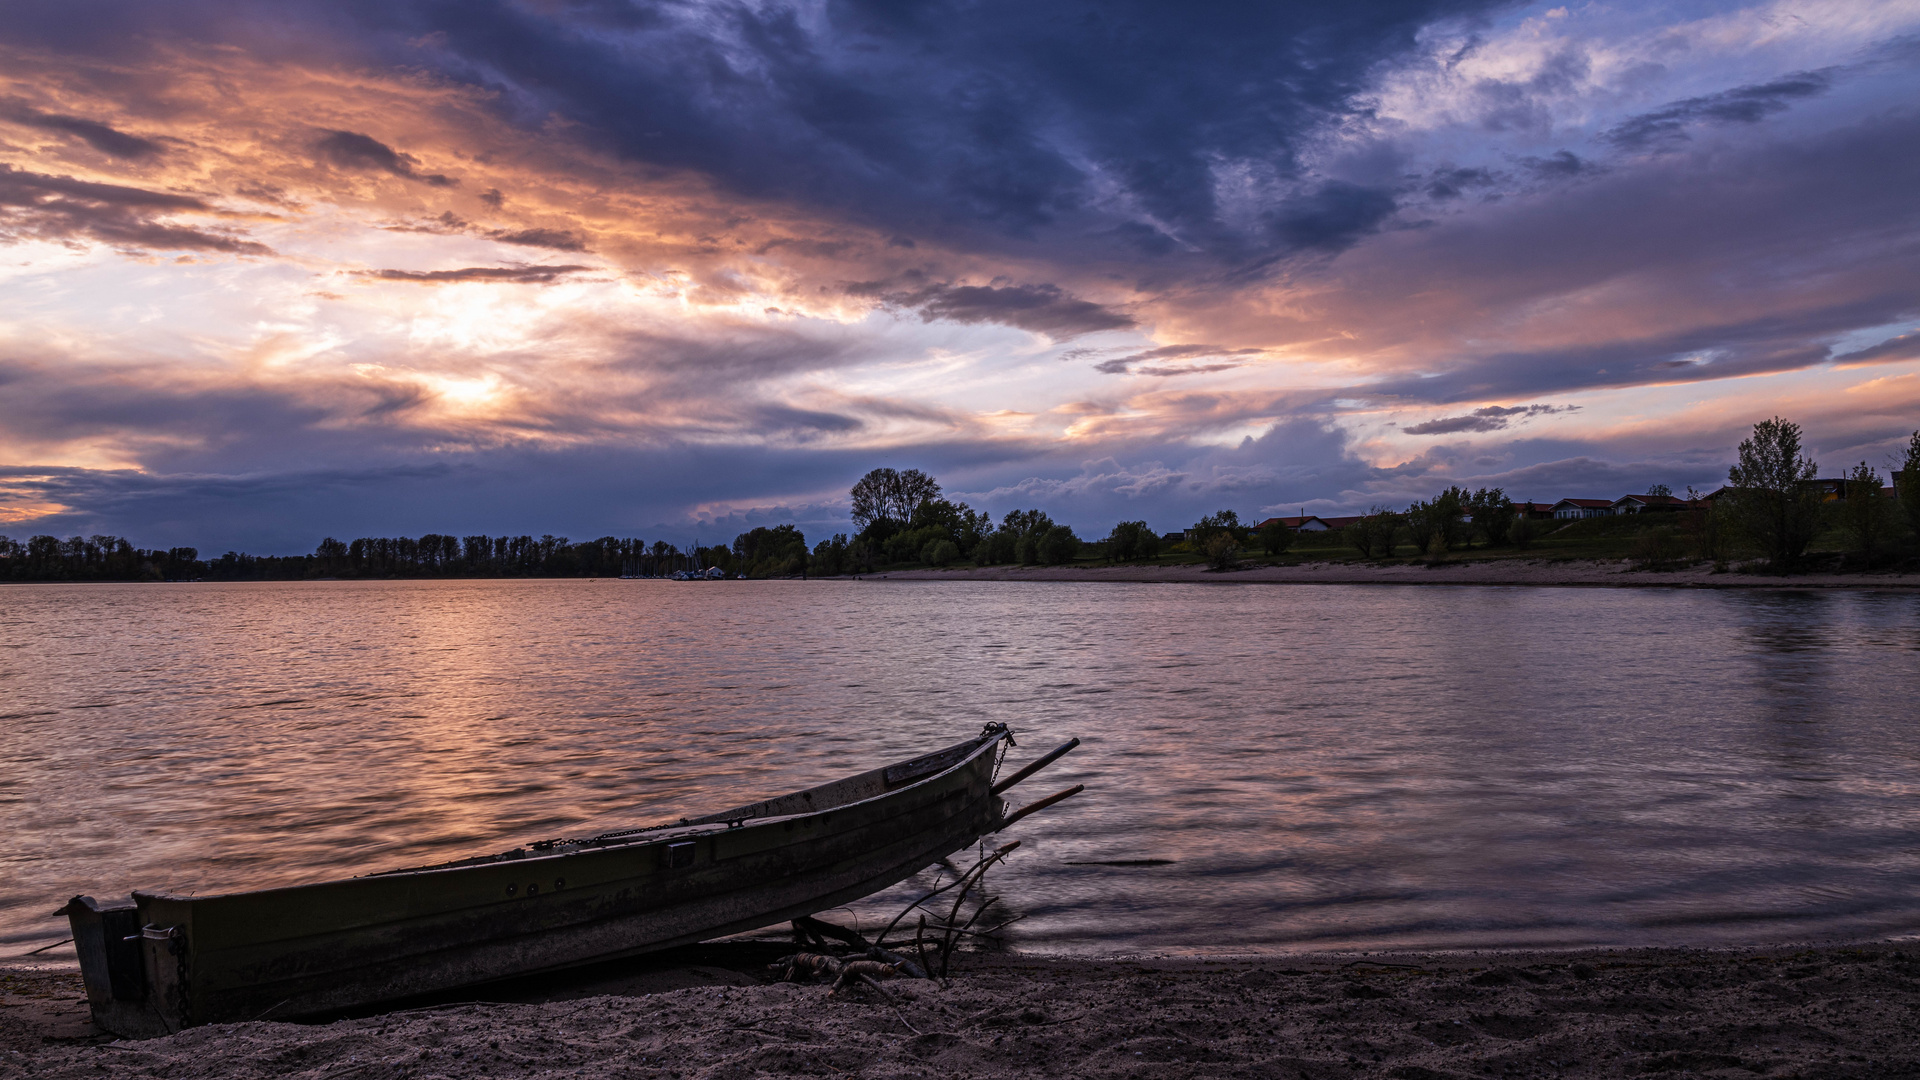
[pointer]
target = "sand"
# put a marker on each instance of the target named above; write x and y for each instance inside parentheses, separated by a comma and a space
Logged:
(1813, 1012)
(1459, 571)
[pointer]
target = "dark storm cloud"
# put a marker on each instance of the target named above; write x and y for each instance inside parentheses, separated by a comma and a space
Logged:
(1491, 418)
(1330, 218)
(977, 123)
(513, 275)
(1043, 309)
(1741, 105)
(100, 136)
(37, 206)
(364, 153)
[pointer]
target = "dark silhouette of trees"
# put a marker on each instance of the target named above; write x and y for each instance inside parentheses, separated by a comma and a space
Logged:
(1435, 526)
(1907, 486)
(1221, 521)
(1372, 535)
(94, 558)
(1132, 541)
(777, 552)
(1773, 499)
(1056, 546)
(831, 558)
(1866, 512)
(1492, 514)
(891, 496)
(1275, 538)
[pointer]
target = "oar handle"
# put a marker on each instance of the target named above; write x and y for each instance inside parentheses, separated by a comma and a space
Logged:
(1058, 796)
(1039, 763)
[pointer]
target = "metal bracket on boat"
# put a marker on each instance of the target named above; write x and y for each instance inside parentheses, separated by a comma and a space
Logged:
(1042, 762)
(1058, 796)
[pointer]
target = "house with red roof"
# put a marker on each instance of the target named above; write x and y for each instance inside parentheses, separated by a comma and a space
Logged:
(1640, 504)
(1310, 523)
(1573, 509)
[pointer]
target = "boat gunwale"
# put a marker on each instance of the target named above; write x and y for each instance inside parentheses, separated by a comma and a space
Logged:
(987, 742)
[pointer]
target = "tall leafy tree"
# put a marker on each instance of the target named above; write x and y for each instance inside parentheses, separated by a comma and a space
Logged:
(1908, 486)
(1866, 511)
(1774, 500)
(891, 496)
(1132, 540)
(1372, 535)
(1492, 514)
(1275, 538)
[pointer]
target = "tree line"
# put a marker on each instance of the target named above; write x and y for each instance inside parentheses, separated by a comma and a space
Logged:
(1770, 507)
(110, 558)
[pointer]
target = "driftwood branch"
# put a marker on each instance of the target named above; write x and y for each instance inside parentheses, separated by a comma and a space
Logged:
(979, 868)
(819, 930)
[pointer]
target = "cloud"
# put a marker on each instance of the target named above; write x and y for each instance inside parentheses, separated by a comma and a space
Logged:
(1741, 105)
(1452, 183)
(1124, 365)
(1490, 418)
(1902, 347)
(38, 206)
(555, 239)
(1332, 217)
(514, 275)
(1559, 165)
(1043, 309)
(1225, 178)
(100, 136)
(352, 150)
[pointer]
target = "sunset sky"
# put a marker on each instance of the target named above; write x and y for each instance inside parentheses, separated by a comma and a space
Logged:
(279, 270)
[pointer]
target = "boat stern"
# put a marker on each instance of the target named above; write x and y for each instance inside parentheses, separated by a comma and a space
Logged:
(113, 948)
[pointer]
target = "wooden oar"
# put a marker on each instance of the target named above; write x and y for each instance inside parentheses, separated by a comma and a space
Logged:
(1042, 762)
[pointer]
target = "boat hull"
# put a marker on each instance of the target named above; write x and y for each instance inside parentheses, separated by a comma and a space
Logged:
(304, 950)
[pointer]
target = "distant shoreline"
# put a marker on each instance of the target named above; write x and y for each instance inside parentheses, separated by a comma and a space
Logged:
(1505, 572)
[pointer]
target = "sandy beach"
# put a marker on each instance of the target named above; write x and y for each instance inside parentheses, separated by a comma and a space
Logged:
(1787, 1012)
(1506, 571)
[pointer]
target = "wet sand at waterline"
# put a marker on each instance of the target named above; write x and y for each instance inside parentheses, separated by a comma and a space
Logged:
(1827, 1012)
(1505, 571)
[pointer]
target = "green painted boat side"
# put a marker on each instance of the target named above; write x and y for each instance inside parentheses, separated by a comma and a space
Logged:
(308, 949)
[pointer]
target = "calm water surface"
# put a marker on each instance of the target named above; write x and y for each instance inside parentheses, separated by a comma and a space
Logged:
(1318, 766)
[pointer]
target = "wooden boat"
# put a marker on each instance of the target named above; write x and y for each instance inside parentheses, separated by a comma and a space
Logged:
(163, 962)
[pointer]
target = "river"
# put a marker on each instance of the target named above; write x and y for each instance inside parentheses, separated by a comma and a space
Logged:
(1269, 768)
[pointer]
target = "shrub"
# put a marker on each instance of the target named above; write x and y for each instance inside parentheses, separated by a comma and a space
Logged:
(1655, 548)
(1223, 551)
